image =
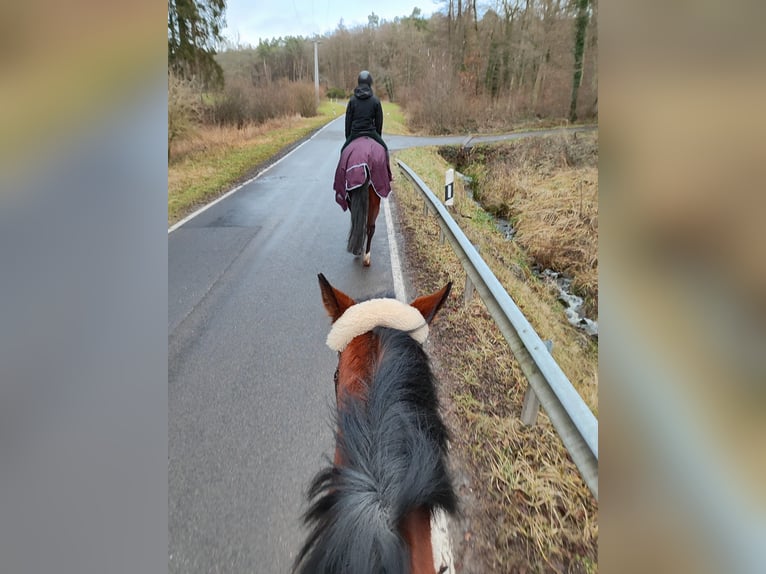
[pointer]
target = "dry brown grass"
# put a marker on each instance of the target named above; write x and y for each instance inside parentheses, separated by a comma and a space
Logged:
(548, 188)
(209, 138)
(526, 509)
(557, 223)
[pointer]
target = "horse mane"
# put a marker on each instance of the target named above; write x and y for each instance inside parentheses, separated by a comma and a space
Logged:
(394, 446)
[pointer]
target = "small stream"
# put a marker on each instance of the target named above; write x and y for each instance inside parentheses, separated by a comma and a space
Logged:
(505, 227)
(572, 303)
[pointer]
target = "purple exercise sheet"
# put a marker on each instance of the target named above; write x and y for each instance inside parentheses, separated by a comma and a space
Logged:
(361, 157)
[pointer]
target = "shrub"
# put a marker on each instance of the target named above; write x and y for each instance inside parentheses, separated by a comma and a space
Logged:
(232, 106)
(184, 109)
(241, 103)
(336, 94)
(270, 101)
(305, 100)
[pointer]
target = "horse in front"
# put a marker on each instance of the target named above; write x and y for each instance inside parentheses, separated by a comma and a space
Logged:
(362, 178)
(370, 511)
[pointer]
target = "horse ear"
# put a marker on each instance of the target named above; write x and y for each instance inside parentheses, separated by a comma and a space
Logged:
(428, 305)
(335, 301)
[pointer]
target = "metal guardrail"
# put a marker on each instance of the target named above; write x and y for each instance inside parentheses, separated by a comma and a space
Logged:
(571, 417)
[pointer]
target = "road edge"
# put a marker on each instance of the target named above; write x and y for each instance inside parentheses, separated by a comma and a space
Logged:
(237, 187)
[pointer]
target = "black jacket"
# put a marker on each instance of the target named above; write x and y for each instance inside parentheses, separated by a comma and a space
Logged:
(364, 112)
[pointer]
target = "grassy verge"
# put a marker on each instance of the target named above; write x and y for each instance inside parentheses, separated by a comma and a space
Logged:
(394, 121)
(213, 159)
(525, 506)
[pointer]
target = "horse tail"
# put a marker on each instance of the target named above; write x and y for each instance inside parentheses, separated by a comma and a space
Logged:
(360, 201)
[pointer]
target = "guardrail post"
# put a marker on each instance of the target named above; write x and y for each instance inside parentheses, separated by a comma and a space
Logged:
(531, 406)
(468, 293)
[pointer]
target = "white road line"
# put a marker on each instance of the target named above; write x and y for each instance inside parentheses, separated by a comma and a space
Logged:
(240, 186)
(396, 265)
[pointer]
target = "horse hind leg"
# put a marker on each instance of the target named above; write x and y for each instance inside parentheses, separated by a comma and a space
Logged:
(367, 257)
(372, 216)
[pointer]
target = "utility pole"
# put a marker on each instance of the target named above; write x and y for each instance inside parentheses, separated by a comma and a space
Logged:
(316, 71)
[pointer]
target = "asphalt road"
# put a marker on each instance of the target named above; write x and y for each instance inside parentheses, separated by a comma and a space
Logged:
(250, 380)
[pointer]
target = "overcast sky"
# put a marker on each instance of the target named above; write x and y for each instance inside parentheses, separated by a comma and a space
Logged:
(249, 20)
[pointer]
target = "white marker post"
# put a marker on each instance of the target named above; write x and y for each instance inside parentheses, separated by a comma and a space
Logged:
(449, 187)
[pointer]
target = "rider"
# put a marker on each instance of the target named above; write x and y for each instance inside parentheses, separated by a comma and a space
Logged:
(364, 114)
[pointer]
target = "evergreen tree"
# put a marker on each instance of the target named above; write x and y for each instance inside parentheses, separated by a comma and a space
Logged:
(581, 23)
(194, 28)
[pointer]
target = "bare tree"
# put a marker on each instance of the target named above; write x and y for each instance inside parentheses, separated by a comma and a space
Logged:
(514, 62)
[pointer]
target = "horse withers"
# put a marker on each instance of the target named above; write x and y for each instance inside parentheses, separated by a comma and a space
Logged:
(362, 178)
(370, 511)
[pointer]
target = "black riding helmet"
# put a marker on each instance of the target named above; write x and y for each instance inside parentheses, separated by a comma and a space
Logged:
(364, 78)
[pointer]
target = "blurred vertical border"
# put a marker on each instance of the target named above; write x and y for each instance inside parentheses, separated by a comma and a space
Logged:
(682, 287)
(83, 284)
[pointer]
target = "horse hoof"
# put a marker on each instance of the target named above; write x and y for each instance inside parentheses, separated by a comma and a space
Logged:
(366, 261)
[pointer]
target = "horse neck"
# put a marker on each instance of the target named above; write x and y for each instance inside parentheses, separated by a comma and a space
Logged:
(355, 373)
(416, 531)
(356, 367)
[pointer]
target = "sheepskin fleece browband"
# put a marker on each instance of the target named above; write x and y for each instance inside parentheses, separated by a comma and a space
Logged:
(365, 316)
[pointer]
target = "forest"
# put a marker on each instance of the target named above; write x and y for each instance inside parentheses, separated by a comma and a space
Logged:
(463, 69)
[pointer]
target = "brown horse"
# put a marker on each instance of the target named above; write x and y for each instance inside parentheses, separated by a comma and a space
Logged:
(371, 509)
(362, 177)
